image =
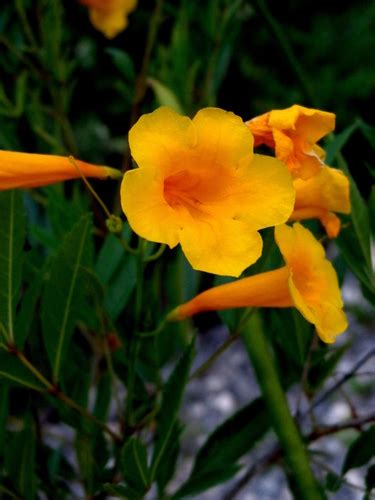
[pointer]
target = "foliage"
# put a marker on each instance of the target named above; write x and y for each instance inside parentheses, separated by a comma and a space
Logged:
(84, 343)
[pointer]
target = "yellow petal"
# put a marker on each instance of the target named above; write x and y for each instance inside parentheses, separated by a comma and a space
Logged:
(329, 189)
(313, 281)
(110, 16)
(225, 247)
(148, 213)
(162, 139)
(222, 139)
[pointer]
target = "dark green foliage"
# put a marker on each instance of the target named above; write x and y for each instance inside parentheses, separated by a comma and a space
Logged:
(64, 293)
(360, 451)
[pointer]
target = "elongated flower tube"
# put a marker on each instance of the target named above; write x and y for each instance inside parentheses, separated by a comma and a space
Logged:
(293, 133)
(308, 282)
(320, 196)
(199, 184)
(27, 170)
(110, 16)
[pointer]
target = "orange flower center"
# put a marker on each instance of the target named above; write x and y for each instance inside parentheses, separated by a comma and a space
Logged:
(180, 190)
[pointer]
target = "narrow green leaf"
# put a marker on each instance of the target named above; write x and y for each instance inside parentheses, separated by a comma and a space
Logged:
(164, 95)
(134, 465)
(121, 491)
(321, 370)
(103, 397)
(20, 461)
(339, 140)
(4, 409)
(360, 451)
(12, 236)
(64, 292)
(172, 399)
(15, 372)
(123, 62)
(168, 465)
(206, 480)
(233, 438)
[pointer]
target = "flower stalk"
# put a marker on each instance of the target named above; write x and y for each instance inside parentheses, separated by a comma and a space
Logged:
(278, 411)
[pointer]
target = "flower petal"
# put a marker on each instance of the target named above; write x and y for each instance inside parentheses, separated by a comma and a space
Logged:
(225, 247)
(223, 139)
(161, 138)
(148, 213)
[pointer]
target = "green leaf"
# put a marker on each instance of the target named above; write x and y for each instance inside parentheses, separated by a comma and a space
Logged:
(206, 480)
(64, 293)
(370, 478)
(360, 451)
(134, 465)
(12, 237)
(321, 370)
(168, 465)
(121, 491)
(165, 96)
(354, 241)
(123, 63)
(172, 399)
(15, 372)
(339, 140)
(20, 460)
(4, 410)
(233, 438)
(333, 482)
(103, 397)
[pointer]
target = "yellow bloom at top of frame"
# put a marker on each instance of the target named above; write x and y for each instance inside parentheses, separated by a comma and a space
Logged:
(321, 196)
(308, 282)
(27, 170)
(110, 16)
(199, 184)
(293, 133)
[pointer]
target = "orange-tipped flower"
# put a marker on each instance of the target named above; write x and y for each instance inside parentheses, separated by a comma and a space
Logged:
(110, 16)
(320, 196)
(27, 170)
(293, 133)
(199, 184)
(308, 282)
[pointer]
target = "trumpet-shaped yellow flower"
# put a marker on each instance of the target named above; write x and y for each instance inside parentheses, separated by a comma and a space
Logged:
(110, 16)
(27, 170)
(308, 281)
(320, 196)
(199, 184)
(293, 133)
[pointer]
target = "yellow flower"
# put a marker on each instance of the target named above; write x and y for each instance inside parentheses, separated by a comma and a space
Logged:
(26, 170)
(199, 184)
(293, 133)
(320, 196)
(308, 282)
(110, 16)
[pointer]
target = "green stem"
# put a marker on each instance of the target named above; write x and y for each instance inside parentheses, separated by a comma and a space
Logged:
(285, 427)
(280, 36)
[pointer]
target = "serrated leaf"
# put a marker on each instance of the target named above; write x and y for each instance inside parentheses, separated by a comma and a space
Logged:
(134, 465)
(172, 399)
(15, 372)
(64, 293)
(165, 95)
(360, 451)
(12, 237)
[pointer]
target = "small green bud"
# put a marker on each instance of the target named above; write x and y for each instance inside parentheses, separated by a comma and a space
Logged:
(114, 224)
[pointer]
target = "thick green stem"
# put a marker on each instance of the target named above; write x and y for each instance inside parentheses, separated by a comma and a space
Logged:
(285, 427)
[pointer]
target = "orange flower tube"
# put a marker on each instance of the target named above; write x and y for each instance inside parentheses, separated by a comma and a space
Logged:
(320, 196)
(293, 133)
(110, 16)
(27, 170)
(308, 282)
